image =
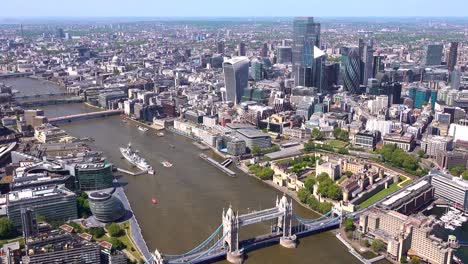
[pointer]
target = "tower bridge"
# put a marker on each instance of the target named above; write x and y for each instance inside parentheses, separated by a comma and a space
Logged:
(224, 241)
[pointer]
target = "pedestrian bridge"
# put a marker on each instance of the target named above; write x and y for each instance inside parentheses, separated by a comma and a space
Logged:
(224, 241)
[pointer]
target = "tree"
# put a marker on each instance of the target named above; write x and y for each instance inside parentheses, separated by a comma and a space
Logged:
(415, 260)
(343, 151)
(97, 232)
(377, 245)
(457, 170)
(316, 134)
(349, 225)
(309, 146)
(348, 174)
(117, 244)
(303, 195)
(256, 150)
(465, 175)
(114, 230)
(309, 184)
(366, 243)
(6, 228)
(421, 153)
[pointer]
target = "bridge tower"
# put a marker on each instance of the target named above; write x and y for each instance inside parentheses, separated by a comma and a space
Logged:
(231, 236)
(288, 240)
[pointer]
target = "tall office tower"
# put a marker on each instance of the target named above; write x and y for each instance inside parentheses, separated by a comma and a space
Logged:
(256, 69)
(433, 54)
(28, 221)
(60, 33)
(236, 78)
(455, 78)
(264, 50)
(306, 35)
(344, 57)
(378, 65)
(220, 47)
(352, 71)
(368, 59)
(241, 48)
(319, 74)
(284, 54)
(452, 57)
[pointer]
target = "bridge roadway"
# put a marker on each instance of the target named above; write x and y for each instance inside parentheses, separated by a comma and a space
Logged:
(15, 75)
(219, 251)
(85, 116)
(46, 95)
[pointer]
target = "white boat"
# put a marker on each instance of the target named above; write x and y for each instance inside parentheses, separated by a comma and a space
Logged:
(449, 227)
(135, 159)
(166, 164)
(160, 134)
(142, 129)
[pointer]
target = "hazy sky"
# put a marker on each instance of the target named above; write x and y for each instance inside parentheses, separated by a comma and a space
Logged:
(193, 8)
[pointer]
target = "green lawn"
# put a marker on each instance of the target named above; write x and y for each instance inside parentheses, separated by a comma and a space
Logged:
(380, 195)
(336, 143)
(129, 246)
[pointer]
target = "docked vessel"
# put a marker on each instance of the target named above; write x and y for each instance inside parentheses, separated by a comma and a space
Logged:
(142, 129)
(160, 134)
(135, 159)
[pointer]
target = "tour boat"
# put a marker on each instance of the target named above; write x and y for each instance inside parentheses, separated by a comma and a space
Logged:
(154, 200)
(166, 164)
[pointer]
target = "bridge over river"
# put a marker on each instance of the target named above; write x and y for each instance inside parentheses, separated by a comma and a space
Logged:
(85, 116)
(224, 241)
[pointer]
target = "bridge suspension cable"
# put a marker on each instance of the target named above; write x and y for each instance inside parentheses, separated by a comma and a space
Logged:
(211, 249)
(308, 221)
(199, 247)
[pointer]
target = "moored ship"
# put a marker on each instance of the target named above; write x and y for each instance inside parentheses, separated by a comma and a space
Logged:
(135, 159)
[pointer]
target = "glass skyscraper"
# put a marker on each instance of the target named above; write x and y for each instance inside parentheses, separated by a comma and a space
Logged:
(236, 78)
(433, 54)
(306, 35)
(352, 71)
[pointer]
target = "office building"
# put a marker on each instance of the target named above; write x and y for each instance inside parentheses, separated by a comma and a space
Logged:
(220, 47)
(93, 176)
(30, 116)
(452, 57)
(433, 54)
(284, 55)
(241, 49)
(256, 70)
(368, 60)
(28, 222)
(352, 72)
(253, 137)
(452, 189)
(410, 200)
(111, 256)
(61, 246)
(366, 139)
(434, 144)
(406, 141)
(449, 159)
(306, 35)
(52, 202)
(106, 207)
(407, 235)
(236, 78)
(236, 147)
(422, 96)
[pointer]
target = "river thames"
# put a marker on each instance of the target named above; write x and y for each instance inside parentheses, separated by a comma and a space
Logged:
(192, 193)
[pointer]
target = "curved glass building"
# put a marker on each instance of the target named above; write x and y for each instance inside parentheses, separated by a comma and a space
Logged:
(352, 71)
(94, 176)
(106, 207)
